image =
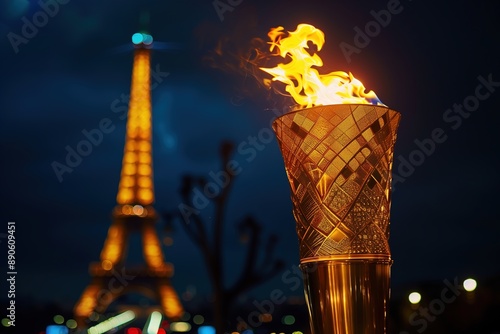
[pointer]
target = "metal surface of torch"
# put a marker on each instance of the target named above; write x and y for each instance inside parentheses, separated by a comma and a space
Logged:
(338, 160)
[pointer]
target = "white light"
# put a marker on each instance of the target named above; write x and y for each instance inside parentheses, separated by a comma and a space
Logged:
(112, 322)
(138, 210)
(470, 284)
(154, 323)
(414, 297)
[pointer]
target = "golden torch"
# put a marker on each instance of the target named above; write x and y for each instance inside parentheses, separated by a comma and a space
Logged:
(338, 152)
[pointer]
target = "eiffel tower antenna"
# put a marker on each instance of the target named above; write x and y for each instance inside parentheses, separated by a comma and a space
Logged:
(134, 212)
(144, 19)
(144, 23)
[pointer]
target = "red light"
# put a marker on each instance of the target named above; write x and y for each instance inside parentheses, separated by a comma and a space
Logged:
(133, 330)
(161, 331)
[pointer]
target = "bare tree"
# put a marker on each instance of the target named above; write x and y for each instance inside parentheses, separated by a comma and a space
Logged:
(211, 243)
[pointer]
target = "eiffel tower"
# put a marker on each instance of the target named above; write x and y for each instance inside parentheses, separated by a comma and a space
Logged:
(133, 213)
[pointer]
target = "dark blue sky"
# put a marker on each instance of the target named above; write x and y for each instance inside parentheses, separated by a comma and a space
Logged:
(66, 77)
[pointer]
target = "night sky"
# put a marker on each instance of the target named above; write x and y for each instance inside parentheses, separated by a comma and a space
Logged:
(429, 59)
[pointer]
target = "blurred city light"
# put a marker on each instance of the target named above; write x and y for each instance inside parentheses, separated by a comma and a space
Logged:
(138, 210)
(470, 284)
(198, 319)
(153, 323)
(58, 319)
(180, 327)
(414, 297)
(137, 38)
(288, 320)
(112, 322)
(206, 330)
(56, 329)
(142, 38)
(133, 330)
(71, 323)
(148, 39)
(94, 316)
(265, 317)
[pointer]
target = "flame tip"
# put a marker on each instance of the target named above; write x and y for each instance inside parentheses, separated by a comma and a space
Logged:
(303, 82)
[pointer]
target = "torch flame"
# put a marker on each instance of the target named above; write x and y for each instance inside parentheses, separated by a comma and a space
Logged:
(303, 82)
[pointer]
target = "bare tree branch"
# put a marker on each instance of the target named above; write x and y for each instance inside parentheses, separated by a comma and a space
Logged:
(252, 273)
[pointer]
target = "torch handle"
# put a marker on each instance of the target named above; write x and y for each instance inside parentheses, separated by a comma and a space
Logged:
(347, 296)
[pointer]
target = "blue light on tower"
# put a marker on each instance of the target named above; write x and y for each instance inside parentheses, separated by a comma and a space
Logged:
(137, 38)
(142, 38)
(147, 39)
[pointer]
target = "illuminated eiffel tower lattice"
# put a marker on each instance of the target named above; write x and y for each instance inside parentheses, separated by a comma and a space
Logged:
(133, 213)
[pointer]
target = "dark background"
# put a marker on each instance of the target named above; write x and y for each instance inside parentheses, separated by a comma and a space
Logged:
(445, 221)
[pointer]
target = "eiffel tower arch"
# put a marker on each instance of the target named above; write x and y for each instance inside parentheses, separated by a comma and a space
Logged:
(133, 214)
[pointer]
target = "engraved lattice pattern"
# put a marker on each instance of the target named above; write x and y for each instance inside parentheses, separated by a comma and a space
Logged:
(338, 160)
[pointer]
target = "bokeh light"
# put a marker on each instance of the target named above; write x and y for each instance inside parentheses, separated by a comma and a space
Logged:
(138, 210)
(470, 284)
(56, 329)
(198, 319)
(414, 297)
(206, 330)
(133, 330)
(71, 323)
(58, 319)
(288, 320)
(142, 38)
(112, 322)
(154, 323)
(265, 317)
(137, 38)
(148, 39)
(180, 327)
